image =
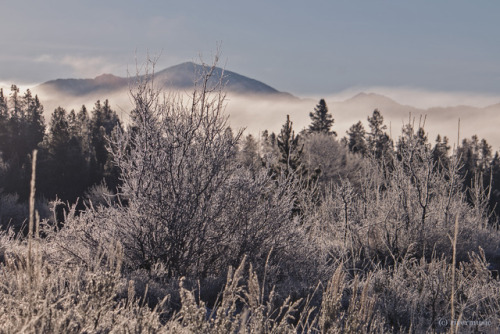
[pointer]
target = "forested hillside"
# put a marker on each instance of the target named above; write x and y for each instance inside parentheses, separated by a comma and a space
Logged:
(177, 223)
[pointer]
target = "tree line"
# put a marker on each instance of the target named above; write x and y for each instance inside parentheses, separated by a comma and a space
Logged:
(73, 152)
(72, 148)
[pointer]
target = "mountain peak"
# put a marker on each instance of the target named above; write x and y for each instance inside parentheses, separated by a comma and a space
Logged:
(364, 95)
(181, 76)
(105, 77)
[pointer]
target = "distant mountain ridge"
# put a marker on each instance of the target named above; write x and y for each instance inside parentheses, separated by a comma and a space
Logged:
(178, 77)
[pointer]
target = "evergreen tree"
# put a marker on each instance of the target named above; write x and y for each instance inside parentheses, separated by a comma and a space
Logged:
(268, 140)
(379, 143)
(15, 103)
(4, 110)
(62, 167)
(103, 122)
(59, 132)
(322, 121)
(422, 137)
(84, 133)
(289, 148)
(440, 152)
(468, 152)
(13, 147)
(485, 153)
(34, 124)
(412, 137)
(268, 149)
(272, 139)
(73, 124)
(4, 119)
(21, 130)
(356, 141)
(290, 162)
(377, 127)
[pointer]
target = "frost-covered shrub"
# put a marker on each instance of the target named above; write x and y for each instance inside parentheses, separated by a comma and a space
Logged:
(175, 162)
(324, 152)
(406, 206)
(99, 195)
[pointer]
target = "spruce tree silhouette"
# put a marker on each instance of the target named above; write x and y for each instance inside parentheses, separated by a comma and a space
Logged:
(322, 121)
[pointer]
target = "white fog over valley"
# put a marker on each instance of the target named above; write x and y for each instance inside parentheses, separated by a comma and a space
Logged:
(256, 113)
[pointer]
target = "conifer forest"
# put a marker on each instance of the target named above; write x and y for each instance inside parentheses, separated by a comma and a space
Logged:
(171, 221)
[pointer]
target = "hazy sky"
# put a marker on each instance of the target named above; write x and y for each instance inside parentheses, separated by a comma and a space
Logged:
(302, 47)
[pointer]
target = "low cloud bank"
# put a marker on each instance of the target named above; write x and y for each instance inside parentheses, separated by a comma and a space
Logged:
(257, 115)
(425, 99)
(478, 113)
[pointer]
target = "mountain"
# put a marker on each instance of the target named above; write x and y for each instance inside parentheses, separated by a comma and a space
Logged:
(371, 101)
(179, 77)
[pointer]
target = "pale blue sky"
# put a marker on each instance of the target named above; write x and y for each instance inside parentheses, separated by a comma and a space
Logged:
(302, 47)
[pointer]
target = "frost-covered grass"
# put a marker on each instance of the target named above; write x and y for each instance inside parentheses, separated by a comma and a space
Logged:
(100, 296)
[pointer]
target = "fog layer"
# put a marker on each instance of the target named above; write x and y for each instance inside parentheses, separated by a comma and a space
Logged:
(478, 113)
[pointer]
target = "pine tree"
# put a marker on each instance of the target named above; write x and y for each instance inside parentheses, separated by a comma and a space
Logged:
(379, 143)
(469, 155)
(59, 132)
(62, 165)
(15, 103)
(21, 130)
(289, 148)
(4, 110)
(103, 122)
(85, 134)
(377, 127)
(322, 121)
(485, 153)
(12, 149)
(356, 141)
(290, 162)
(4, 119)
(73, 124)
(33, 121)
(440, 152)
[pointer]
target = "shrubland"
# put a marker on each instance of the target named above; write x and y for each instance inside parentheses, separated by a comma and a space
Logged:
(212, 232)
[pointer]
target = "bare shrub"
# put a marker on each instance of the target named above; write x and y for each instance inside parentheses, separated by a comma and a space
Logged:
(403, 208)
(323, 151)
